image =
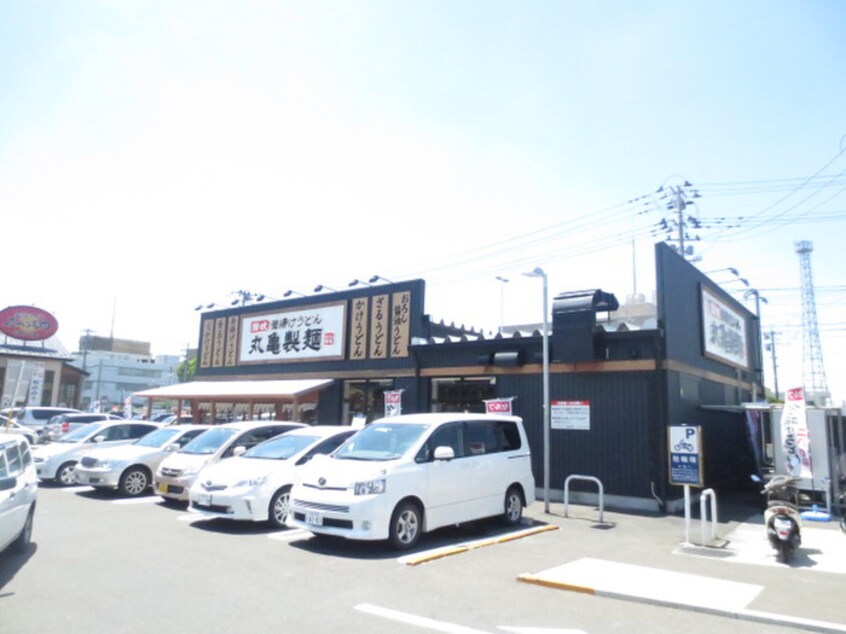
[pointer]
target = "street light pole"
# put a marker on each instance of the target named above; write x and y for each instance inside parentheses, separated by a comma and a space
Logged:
(539, 272)
(502, 282)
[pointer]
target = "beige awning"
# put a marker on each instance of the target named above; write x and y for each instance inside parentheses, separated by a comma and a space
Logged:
(223, 391)
(295, 393)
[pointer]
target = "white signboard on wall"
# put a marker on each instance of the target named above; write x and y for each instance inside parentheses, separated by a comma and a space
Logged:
(724, 331)
(310, 333)
(570, 415)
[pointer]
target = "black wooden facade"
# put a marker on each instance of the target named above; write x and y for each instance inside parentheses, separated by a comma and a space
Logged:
(637, 382)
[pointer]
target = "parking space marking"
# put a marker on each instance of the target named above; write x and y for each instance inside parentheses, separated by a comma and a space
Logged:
(290, 535)
(139, 500)
(439, 553)
(75, 488)
(413, 619)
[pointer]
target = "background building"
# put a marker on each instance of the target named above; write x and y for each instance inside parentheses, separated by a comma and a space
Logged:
(117, 368)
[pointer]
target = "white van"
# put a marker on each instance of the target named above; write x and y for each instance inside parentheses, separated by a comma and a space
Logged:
(405, 475)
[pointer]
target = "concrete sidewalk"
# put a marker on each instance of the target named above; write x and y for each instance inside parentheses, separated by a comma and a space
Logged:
(645, 558)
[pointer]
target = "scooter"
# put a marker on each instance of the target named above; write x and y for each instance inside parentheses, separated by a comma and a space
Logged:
(781, 518)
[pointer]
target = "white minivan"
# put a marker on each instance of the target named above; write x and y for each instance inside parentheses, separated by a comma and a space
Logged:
(406, 475)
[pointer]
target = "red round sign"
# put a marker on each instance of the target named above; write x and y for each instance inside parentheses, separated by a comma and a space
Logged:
(28, 323)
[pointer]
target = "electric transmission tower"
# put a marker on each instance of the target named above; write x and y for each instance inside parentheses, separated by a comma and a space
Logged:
(813, 372)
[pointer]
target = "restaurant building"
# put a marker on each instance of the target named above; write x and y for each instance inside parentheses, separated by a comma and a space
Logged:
(615, 386)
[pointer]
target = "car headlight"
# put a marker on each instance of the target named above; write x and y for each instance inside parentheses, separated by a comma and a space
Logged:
(107, 464)
(370, 487)
(190, 471)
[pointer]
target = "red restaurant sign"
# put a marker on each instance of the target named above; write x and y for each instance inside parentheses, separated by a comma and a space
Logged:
(28, 323)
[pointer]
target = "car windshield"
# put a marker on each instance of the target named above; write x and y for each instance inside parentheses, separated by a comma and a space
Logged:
(381, 441)
(81, 434)
(281, 447)
(158, 438)
(209, 441)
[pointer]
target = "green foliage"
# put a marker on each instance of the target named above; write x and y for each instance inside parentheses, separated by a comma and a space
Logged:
(186, 370)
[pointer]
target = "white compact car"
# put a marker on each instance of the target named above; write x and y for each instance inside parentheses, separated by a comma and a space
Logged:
(56, 461)
(256, 485)
(9, 426)
(18, 493)
(405, 475)
(130, 468)
(177, 472)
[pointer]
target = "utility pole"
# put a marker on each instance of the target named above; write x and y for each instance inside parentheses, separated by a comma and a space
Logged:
(677, 199)
(771, 346)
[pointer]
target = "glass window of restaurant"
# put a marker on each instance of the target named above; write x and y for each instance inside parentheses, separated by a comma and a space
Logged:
(462, 395)
(365, 398)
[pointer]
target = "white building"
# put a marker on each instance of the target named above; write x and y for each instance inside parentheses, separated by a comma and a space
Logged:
(117, 368)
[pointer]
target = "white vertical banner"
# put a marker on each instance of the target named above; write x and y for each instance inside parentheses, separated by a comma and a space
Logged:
(36, 386)
(393, 403)
(795, 440)
(499, 405)
(127, 407)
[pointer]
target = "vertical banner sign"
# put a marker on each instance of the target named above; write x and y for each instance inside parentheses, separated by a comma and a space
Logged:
(796, 442)
(685, 455)
(358, 331)
(570, 415)
(36, 386)
(393, 403)
(499, 406)
(127, 407)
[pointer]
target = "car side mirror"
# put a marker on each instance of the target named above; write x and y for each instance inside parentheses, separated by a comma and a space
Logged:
(239, 450)
(99, 438)
(444, 453)
(8, 483)
(171, 447)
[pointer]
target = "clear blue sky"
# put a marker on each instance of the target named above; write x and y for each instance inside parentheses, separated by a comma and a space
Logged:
(159, 155)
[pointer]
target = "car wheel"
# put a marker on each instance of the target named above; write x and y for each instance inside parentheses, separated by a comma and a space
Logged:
(134, 482)
(406, 524)
(22, 541)
(513, 507)
(280, 505)
(64, 475)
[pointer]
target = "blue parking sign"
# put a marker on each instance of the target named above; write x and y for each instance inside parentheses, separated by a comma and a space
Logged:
(685, 455)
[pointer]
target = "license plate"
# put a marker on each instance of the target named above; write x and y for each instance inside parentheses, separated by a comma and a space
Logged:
(782, 524)
(162, 487)
(204, 499)
(315, 519)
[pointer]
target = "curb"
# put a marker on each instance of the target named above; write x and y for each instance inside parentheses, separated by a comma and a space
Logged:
(416, 560)
(755, 616)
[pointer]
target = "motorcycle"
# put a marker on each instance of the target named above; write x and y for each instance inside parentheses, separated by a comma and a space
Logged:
(782, 519)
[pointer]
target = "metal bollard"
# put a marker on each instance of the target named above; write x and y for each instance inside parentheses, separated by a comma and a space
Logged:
(583, 477)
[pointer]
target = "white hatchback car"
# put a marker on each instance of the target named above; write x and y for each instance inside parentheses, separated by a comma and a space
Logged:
(56, 461)
(406, 475)
(130, 468)
(177, 472)
(18, 493)
(256, 485)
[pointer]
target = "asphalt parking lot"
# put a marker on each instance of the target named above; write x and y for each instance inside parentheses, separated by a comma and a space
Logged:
(100, 563)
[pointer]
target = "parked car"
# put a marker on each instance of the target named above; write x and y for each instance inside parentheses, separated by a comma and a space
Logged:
(406, 475)
(18, 492)
(9, 426)
(61, 424)
(256, 485)
(130, 468)
(35, 417)
(177, 472)
(57, 460)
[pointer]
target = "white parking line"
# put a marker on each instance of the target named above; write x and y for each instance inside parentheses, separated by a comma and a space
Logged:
(76, 488)
(290, 535)
(150, 499)
(419, 621)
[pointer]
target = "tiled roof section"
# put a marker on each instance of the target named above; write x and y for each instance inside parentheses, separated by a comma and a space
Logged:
(50, 348)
